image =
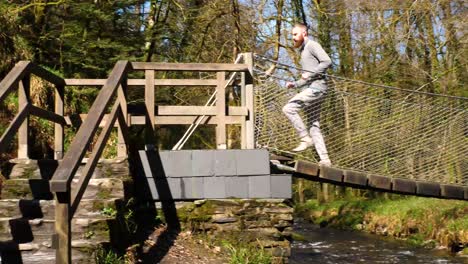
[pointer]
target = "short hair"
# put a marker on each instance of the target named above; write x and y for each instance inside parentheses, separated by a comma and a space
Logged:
(301, 26)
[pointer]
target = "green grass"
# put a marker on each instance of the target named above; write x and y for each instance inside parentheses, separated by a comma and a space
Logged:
(239, 254)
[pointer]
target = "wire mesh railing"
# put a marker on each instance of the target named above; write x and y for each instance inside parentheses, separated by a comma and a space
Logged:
(372, 128)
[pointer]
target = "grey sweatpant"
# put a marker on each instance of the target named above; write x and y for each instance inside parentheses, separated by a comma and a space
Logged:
(310, 100)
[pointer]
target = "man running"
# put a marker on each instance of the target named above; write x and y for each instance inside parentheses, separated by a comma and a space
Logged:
(314, 61)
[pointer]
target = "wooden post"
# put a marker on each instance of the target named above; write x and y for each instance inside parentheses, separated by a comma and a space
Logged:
(221, 110)
(249, 100)
(59, 128)
(149, 102)
(62, 241)
(244, 120)
(122, 97)
(23, 131)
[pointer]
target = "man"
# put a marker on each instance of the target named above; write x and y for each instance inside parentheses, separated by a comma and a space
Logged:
(314, 61)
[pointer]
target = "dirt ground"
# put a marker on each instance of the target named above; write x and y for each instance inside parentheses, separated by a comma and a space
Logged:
(167, 247)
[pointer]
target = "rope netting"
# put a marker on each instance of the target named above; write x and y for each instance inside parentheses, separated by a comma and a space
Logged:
(372, 128)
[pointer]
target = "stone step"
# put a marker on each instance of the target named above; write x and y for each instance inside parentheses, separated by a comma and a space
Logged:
(40, 230)
(39, 189)
(31, 253)
(44, 169)
(45, 209)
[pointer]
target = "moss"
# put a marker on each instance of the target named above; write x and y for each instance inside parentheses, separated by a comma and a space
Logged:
(104, 194)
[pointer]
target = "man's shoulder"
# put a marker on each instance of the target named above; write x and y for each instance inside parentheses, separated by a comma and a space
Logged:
(312, 43)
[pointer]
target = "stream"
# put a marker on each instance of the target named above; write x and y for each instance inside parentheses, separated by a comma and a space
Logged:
(327, 245)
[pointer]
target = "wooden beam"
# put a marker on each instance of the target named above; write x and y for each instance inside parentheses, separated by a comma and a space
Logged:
(221, 111)
(63, 176)
(150, 110)
(123, 120)
(185, 120)
(59, 128)
(13, 127)
(63, 231)
(169, 110)
(23, 131)
(142, 82)
(47, 75)
(205, 67)
(39, 112)
(307, 168)
(9, 82)
(249, 102)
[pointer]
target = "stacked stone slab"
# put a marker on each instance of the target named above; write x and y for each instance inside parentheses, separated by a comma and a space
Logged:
(212, 174)
(27, 212)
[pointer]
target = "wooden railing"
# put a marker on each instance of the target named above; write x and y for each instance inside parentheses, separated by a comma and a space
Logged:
(19, 77)
(114, 92)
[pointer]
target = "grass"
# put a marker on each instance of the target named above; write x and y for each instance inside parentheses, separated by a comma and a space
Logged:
(241, 254)
(106, 256)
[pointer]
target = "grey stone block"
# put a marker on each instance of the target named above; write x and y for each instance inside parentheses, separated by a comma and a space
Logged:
(259, 186)
(252, 162)
(225, 163)
(237, 187)
(170, 187)
(192, 188)
(281, 186)
(177, 163)
(214, 187)
(148, 168)
(203, 162)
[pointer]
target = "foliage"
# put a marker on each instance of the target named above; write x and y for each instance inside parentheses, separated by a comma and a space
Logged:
(246, 254)
(107, 256)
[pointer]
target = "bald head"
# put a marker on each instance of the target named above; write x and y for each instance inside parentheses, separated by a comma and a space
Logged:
(299, 33)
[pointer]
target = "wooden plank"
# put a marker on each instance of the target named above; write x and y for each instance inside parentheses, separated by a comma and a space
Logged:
(380, 182)
(330, 173)
(307, 168)
(62, 228)
(11, 80)
(466, 193)
(452, 191)
(64, 174)
(150, 111)
(172, 110)
(185, 120)
(142, 82)
(87, 172)
(123, 121)
(10, 132)
(23, 131)
(47, 75)
(244, 121)
(205, 67)
(249, 102)
(355, 177)
(39, 112)
(428, 189)
(221, 111)
(59, 128)
(403, 185)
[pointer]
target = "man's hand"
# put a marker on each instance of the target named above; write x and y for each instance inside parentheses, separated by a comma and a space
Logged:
(306, 75)
(290, 85)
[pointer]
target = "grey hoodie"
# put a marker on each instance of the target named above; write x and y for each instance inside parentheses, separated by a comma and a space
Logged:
(316, 60)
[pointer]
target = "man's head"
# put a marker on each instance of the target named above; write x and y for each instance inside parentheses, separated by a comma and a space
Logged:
(299, 32)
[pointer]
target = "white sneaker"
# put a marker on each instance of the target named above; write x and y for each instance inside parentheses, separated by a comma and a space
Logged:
(306, 142)
(326, 162)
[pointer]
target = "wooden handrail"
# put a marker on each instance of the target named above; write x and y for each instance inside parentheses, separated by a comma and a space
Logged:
(13, 77)
(63, 176)
(14, 126)
(202, 67)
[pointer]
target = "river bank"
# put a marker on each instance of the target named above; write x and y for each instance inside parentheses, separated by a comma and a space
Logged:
(427, 222)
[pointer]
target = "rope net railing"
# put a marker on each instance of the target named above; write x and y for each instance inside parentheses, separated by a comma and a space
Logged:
(372, 128)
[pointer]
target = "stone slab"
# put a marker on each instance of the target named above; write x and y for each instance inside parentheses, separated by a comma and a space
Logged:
(237, 187)
(203, 162)
(214, 187)
(166, 189)
(281, 186)
(403, 185)
(307, 168)
(380, 182)
(355, 177)
(330, 173)
(428, 189)
(192, 188)
(259, 186)
(252, 162)
(452, 191)
(225, 163)
(177, 163)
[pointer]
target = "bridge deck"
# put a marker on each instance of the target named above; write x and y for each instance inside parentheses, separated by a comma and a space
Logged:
(315, 172)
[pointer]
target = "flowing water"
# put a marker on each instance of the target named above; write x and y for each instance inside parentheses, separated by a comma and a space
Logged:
(326, 245)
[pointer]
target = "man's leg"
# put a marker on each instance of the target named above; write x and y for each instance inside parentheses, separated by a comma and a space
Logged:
(291, 110)
(313, 115)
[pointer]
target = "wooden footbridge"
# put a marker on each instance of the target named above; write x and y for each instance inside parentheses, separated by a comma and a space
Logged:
(245, 172)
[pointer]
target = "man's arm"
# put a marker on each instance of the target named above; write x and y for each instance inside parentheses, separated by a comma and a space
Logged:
(324, 62)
